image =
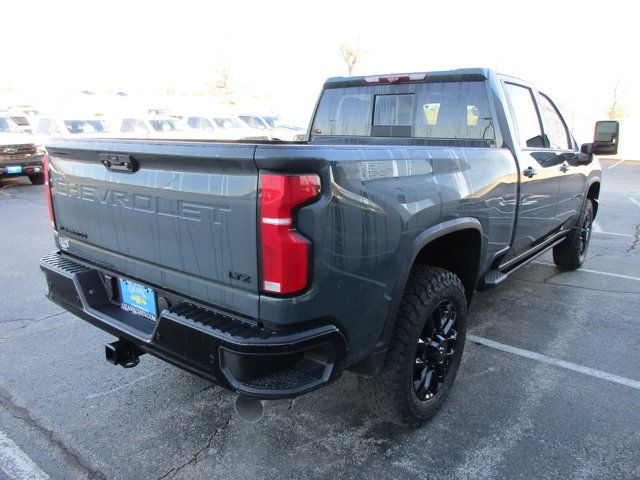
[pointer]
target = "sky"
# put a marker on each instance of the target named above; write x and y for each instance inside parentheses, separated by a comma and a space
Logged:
(283, 51)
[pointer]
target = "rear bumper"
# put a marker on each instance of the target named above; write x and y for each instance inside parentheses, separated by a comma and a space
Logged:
(28, 166)
(236, 353)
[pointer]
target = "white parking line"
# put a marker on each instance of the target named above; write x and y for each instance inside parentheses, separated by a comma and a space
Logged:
(592, 372)
(15, 463)
(614, 233)
(597, 272)
(615, 164)
(635, 202)
(598, 229)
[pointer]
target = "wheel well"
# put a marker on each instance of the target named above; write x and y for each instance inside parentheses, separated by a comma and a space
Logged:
(593, 194)
(457, 252)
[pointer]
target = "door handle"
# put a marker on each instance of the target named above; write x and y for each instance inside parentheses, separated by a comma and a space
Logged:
(529, 172)
(564, 167)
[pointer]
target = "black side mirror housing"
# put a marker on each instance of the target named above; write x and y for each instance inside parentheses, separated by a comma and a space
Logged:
(586, 153)
(586, 148)
(605, 138)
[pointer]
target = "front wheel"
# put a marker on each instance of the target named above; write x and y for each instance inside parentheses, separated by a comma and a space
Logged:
(570, 254)
(425, 349)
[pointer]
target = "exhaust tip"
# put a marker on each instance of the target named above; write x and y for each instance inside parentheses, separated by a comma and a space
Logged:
(250, 409)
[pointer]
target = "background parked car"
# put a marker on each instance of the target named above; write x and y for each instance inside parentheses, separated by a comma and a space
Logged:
(160, 126)
(71, 126)
(19, 153)
(224, 127)
(275, 129)
(21, 119)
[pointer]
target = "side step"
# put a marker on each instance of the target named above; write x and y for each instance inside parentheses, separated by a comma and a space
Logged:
(492, 279)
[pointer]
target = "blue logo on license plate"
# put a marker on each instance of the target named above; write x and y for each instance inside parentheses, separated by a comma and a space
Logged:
(138, 299)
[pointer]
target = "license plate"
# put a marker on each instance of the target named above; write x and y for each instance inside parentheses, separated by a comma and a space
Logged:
(138, 299)
(13, 169)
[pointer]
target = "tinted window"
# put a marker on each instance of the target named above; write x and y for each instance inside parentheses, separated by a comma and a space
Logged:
(344, 111)
(8, 125)
(456, 110)
(22, 121)
(165, 125)
(526, 115)
(193, 122)
(127, 125)
(554, 125)
(229, 122)
(438, 110)
(84, 126)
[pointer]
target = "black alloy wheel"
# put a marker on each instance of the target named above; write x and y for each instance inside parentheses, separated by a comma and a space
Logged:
(434, 351)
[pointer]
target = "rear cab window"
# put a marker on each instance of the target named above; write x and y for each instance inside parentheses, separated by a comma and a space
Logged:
(456, 112)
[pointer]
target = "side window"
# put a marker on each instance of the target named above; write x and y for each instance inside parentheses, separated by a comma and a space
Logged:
(193, 122)
(554, 126)
(127, 125)
(526, 115)
(140, 127)
(257, 123)
(205, 124)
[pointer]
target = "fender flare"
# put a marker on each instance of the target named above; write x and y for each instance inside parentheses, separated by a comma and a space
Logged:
(421, 241)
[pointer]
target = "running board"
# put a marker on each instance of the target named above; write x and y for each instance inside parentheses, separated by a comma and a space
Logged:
(492, 279)
(495, 277)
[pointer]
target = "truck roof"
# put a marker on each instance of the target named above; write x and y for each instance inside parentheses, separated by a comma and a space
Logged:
(444, 75)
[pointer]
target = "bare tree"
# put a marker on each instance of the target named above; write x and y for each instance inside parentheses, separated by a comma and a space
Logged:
(351, 55)
(617, 108)
(220, 85)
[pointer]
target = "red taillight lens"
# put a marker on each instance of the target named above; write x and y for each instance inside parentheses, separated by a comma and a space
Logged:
(284, 252)
(400, 78)
(47, 189)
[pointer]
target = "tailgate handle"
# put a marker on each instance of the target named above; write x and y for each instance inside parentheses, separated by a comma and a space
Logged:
(118, 163)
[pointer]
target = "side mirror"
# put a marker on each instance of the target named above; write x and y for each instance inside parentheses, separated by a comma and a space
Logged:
(586, 153)
(605, 139)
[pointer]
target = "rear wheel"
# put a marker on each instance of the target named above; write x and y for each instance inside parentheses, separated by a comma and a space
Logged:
(570, 254)
(425, 349)
(37, 179)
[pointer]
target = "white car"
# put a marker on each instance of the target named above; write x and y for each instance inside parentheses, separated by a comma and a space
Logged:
(160, 126)
(71, 126)
(224, 127)
(274, 127)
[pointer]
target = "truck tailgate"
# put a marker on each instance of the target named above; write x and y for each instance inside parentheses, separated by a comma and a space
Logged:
(184, 218)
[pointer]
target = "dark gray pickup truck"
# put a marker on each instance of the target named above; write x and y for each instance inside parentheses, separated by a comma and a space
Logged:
(271, 268)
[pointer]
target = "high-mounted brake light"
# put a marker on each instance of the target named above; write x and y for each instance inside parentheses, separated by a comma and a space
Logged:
(47, 189)
(284, 252)
(400, 78)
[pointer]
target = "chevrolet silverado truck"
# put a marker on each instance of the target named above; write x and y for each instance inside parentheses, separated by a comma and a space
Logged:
(272, 267)
(19, 153)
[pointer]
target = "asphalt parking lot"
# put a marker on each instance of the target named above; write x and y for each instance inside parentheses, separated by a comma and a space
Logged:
(549, 386)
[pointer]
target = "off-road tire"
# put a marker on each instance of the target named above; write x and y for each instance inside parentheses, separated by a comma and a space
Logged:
(391, 394)
(571, 253)
(37, 179)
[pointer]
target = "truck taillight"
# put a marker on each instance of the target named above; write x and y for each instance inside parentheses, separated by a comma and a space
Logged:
(284, 252)
(400, 78)
(47, 189)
